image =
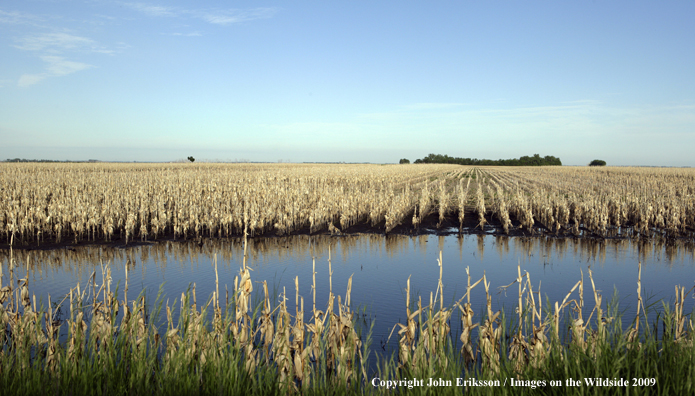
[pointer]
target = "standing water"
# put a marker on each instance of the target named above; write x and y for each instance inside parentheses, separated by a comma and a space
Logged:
(380, 268)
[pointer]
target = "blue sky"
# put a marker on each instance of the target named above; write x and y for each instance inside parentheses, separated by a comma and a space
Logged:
(348, 81)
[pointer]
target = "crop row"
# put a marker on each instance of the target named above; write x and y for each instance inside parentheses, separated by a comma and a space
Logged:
(78, 202)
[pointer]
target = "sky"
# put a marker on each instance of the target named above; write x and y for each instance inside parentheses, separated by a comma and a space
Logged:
(348, 81)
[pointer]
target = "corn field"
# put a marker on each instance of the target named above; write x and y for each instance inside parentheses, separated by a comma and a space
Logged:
(72, 203)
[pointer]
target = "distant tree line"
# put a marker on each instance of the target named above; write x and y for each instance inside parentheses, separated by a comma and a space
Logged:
(536, 160)
(32, 160)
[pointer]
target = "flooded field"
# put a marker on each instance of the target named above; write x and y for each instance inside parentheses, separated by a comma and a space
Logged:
(380, 268)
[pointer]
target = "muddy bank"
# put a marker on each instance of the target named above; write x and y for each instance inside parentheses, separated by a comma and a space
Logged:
(431, 225)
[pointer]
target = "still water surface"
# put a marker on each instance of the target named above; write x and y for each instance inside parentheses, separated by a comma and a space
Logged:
(380, 267)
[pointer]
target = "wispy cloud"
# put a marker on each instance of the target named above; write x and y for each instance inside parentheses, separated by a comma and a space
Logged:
(13, 17)
(52, 42)
(433, 106)
(227, 17)
(26, 80)
(52, 46)
(582, 102)
(18, 18)
(191, 34)
(152, 10)
(213, 16)
(561, 110)
(56, 66)
(56, 43)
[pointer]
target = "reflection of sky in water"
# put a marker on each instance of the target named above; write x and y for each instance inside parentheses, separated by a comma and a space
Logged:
(380, 268)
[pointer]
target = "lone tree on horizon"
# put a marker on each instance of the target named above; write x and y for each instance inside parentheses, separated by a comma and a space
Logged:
(597, 162)
(191, 159)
